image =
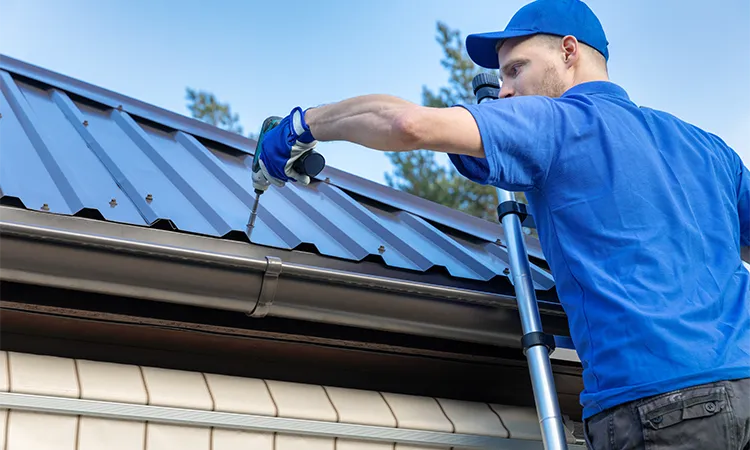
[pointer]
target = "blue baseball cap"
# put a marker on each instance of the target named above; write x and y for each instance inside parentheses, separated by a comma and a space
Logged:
(556, 17)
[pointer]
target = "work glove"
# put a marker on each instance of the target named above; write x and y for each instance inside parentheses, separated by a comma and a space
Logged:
(280, 148)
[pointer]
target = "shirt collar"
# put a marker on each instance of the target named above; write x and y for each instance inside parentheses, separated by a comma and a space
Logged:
(597, 87)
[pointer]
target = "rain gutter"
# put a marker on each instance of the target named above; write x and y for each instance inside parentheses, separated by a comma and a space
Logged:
(177, 272)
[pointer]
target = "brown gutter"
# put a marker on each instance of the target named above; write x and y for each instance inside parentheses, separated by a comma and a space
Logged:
(270, 286)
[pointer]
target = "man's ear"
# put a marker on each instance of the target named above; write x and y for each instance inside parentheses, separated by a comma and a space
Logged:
(571, 49)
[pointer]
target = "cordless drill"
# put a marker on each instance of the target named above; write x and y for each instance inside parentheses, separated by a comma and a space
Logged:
(310, 164)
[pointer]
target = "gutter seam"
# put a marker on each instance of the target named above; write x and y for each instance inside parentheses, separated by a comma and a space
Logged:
(268, 287)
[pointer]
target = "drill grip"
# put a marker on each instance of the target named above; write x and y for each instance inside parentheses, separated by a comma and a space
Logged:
(310, 163)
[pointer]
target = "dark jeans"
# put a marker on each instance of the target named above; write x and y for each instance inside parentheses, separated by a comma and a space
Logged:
(703, 417)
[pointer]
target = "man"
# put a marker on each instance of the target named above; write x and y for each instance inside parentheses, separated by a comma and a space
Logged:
(641, 216)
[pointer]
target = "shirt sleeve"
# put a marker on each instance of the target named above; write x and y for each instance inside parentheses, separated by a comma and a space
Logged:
(519, 140)
(743, 205)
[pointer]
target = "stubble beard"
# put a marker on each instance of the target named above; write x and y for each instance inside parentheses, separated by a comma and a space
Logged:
(551, 85)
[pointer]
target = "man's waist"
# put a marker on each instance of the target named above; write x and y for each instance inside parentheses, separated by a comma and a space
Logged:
(599, 401)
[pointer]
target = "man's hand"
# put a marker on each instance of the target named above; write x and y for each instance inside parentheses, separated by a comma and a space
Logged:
(281, 147)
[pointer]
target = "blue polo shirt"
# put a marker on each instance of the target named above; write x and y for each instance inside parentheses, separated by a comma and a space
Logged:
(641, 217)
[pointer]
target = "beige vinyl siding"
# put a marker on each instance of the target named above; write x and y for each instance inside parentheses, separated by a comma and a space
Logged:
(522, 423)
(94, 380)
(364, 408)
(473, 418)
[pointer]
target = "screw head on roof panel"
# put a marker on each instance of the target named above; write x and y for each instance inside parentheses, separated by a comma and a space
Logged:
(381, 249)
(119, 107)
(506, 271)
(149, 197)
(45, 207)
(85, 123)
(113, 203)
(327, 180)
(1, 115)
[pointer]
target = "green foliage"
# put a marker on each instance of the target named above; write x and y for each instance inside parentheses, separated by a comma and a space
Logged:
(204, 106)
(418, 172)
(461, 71)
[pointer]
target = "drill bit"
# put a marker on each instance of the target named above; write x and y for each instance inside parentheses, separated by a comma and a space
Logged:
(260, 184)
(254, 212)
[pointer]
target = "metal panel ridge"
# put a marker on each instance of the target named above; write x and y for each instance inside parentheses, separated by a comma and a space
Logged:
(77, 121)
(25, 116)
(139, 137)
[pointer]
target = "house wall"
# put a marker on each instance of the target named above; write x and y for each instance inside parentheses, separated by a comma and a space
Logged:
(45, 375)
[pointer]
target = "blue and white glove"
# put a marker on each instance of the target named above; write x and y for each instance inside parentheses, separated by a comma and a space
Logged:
(282, 146)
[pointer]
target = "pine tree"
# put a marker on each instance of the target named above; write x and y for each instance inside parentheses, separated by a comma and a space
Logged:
(204, 106)
(418, 172)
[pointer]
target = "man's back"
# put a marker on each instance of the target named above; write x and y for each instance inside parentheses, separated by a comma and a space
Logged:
(638, 217)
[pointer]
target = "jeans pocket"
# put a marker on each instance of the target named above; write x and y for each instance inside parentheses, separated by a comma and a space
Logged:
(693, 418)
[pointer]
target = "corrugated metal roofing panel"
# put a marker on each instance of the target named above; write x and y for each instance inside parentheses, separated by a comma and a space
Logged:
(437, 213)
(91, 159)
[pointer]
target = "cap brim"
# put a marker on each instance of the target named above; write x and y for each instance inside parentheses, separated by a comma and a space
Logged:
(481, 46)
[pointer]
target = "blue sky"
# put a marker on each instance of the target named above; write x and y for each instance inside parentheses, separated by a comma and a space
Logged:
(690, 58)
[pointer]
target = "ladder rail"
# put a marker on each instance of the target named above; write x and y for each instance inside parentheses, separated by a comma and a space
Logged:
(536, 345)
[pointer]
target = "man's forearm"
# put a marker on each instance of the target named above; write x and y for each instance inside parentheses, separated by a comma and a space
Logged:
(375, 121)
(385, 122)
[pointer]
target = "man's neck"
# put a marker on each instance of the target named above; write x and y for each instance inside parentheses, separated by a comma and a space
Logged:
(585, 76)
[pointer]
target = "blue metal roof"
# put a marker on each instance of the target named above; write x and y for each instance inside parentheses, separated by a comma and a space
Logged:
(74, 149)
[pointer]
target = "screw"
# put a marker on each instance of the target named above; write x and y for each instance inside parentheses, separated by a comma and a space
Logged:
(498, 242)
(327, 180)
(149, 197)
(85, 123)
(381, 249)
(1, 115)
(119, 107)
(113, 203)
(45, 207)
(506, 271)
